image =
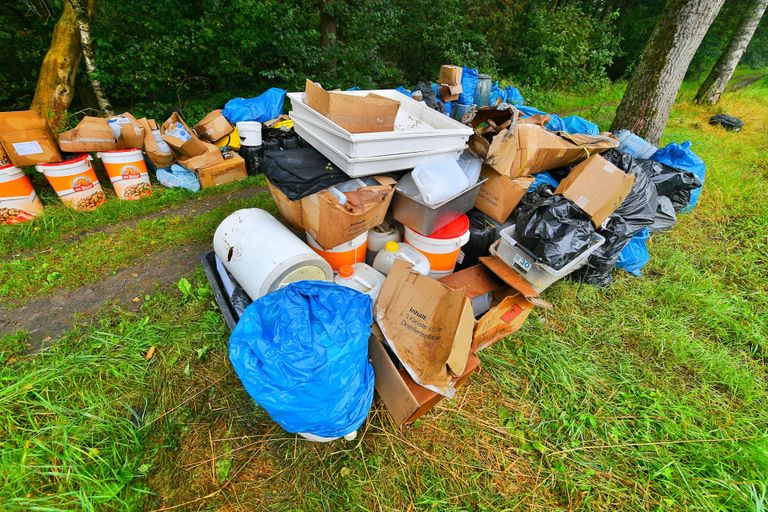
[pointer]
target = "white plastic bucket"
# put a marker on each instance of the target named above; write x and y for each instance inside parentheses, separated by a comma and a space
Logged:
(75, 182)
(250, 133)
(128, 173)
(347, 253)
(18, 200)
(441, 247)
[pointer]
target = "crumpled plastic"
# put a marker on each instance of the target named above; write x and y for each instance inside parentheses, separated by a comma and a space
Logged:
(177, 176)
(635, 255)
(468, 86)
(300, 172)
(263, 108)
(512, 95)
(682, 157)
(301, 353)
(665, 218)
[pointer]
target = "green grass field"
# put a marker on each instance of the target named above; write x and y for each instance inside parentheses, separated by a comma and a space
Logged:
(648, 395)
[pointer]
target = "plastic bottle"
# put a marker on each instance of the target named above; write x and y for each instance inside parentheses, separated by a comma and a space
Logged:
(439, 180)
(635, 145)
(402, 251)
(361, 277)
(378, 238)
(161, 144)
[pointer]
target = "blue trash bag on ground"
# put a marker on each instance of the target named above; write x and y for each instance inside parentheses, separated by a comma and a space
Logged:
(468, 86)
(543, 177)
(528, 111)
(680, 156)
(262, 108)
(635, 255)
(513, 96)
(497, 95)
(302, 354)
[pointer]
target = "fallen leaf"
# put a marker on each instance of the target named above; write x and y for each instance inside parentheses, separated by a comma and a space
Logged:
(150, 353)
(135, 299)
(134, 274)
(47, 338)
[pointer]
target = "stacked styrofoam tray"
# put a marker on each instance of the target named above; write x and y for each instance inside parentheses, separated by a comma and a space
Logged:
(418, 128)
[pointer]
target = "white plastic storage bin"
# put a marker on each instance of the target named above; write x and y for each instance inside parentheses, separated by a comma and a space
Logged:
(417, 128)
(539, 276)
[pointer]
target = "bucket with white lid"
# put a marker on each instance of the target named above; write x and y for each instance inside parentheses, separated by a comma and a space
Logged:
(347, 253)
(442, 247)
(18, 200)
(75, 182)
(128, 173)
(250, 133)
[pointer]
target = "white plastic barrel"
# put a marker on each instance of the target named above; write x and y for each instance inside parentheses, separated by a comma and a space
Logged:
(250, 133)
(263, 255)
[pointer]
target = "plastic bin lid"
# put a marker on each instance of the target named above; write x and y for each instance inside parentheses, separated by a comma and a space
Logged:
(453, 229)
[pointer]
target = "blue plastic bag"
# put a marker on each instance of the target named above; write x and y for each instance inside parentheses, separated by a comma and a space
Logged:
(680, 156)
(262, 108)
(177, 176)
(635, 255)
(513, 96)
(555, 123)
(529, 111)
(468, 86)
(543, 177)
(576, 124)
(403, 90)
(497, 95)
(302, 354)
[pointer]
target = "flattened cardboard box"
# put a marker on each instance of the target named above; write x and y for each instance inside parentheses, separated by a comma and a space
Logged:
(27, 139)
(405, 400)
(499, 195)
(90, 134)
(450, 92)
(427, 325)
(597, 187)
(230, 170)
(213, 126)
(356, 114)
(211, 156)
(449, 75)
(290, 211)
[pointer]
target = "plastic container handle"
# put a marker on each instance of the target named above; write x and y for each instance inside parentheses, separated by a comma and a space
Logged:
(363, 282)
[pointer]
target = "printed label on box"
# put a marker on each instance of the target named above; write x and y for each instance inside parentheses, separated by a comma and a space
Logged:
(27, 148)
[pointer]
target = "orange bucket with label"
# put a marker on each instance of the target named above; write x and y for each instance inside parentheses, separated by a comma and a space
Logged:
(347, 253)
(75, 182)
(18, 200)
(128, 173)
(441, 247)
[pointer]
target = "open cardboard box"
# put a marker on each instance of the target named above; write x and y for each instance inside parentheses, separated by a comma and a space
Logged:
(356, 114)
(131, 133)
(499, 195)
(213, 126)
(183, 149)
(90, 134)
(211, 156)
(449, 75)
(27, 139)
(151, 147)
(229, 170)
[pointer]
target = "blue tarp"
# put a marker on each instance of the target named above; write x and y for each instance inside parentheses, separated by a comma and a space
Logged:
(680, 156)
(635, 255)
(468, 86)
(263, 108)
(529, 111)
(513, 96)
(543, 177)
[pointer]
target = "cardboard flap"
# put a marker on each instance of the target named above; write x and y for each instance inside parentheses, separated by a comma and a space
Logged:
(462, 342)
(500, 321)
(475, 281)
(513, 279)
(354, 113)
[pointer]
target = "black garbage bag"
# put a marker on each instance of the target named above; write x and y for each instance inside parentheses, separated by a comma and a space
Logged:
(427, 94)
(552, 228)
(598, 269)
(730, 123)
(252, 156)
(482, 234)
(668, 180)
(301, 172)
(666, 216)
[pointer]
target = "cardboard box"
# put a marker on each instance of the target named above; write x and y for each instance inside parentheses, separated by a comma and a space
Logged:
(449, 75)
(191, 147)
(427, 325)
(405, 400)
(90, 134)
(597, 187)
(213, 126)
(356, 114)
(4, 160)
(131, 132)
(450, 92)
(211, 156)
(228, 171)
(27, 139)
(499, 196)
(159, 158)
(330, 223)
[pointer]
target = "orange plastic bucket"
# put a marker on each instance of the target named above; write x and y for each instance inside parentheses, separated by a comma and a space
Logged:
(75, 182)
(347, 253)
(128, 173)
(441, 247)
(18, 200)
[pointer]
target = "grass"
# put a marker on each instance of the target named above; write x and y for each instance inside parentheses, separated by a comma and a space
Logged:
(648, 395)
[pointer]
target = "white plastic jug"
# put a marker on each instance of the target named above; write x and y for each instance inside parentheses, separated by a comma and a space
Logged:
(439, 180)
(378, 238)
(361, 277)
(471, 165)
(394, 251)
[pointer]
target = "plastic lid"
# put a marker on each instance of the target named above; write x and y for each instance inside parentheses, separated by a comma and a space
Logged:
(346, 271)
(454, 229)
(78, 158)
(391, 246)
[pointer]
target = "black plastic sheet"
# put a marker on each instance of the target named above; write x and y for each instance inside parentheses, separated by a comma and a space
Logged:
(301, 172)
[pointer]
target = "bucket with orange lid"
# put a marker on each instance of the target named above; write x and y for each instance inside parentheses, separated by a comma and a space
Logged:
(75, 182)
(128, 173)
(18, 200)
(347, 253)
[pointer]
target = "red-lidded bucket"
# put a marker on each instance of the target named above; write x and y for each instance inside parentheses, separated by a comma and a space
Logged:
(441, 247)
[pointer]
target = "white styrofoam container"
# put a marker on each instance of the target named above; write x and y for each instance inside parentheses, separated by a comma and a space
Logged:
(368, 166)
(417, 128)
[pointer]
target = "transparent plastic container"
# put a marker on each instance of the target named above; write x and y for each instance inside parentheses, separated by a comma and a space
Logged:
(394, 251)
(439, 180)
(361, 277)
(471, 165)
(635, 145)
(346, 186)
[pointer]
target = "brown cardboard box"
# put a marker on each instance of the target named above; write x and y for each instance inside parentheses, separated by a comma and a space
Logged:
(228, 171)
(213, 126)
(27, 139)
(449, 75)
(596, 186)
(450, 92)
(157, 157)
(90, 134)
(405, 400)
(211, 156)
(499, 196)
(131, 133)
(4, 160)
(192, 147)
(356, 114)
(427, 325)
(330, 223)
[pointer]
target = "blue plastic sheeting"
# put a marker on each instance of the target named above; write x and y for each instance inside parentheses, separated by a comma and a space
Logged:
(268, 105)
(497, 95)
(468, 86)
(529, 111)
(555, 124)
(354, 88)
(543, 177)
(680, 156)
(635, 255)
(403, 90)
(302, 354)
(576, 124)
(513, 96)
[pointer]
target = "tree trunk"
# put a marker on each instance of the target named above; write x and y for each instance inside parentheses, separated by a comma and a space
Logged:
(721, 74)
(328, 25)
(83, 13)
(55, 84)
(651, 91)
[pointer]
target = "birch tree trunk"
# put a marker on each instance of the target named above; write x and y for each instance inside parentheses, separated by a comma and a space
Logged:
(651, 91)
(83, 13)
(56, 81)
(713, 87)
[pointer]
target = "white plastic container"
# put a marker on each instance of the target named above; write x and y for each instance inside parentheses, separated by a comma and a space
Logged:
(471, 165)
(417, 128)
(346, 186)
(347, 253)
(635, 145)
(263, 255)
(378, 238)
(162, 146)
(441, 247)
(395, 251)
(361, 277)
(250, 133)
(439, 180)
(537, 274)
